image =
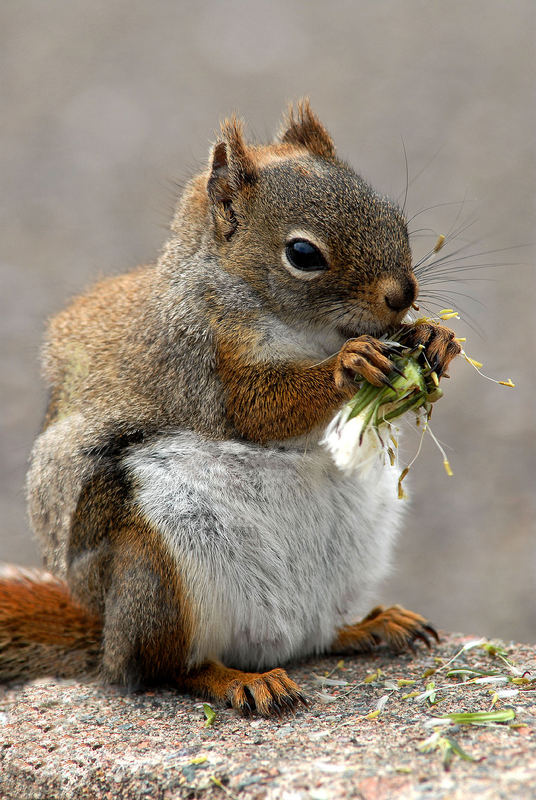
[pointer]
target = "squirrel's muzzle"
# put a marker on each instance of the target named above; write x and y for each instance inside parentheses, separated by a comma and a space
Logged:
(400, 292)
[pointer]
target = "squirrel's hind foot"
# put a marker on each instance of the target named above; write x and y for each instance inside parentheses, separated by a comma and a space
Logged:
(395, 626)
(269, 694)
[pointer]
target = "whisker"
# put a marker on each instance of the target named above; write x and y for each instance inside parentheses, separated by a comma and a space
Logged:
(452, 293)
(449, 269)
(460, 249)
(407, 177)
(426, 165)
(467, 318)
(430, 208)
(445, 298)
(420, 230)
(444, 279)
(479, 254)
(460, 210)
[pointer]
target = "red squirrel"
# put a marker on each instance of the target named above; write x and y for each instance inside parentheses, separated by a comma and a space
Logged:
(195, 531)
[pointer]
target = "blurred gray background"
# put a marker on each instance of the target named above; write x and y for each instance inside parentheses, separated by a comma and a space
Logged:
(107, 105)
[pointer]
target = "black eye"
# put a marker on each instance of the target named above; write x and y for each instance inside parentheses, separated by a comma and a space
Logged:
(305, 256)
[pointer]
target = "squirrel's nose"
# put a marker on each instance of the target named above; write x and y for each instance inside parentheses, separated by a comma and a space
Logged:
(400, 293)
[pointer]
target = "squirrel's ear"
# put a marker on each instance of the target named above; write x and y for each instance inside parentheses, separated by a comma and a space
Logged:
(231, 171)
(302, 127)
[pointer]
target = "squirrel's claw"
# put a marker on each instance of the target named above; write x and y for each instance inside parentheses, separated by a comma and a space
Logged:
(269, 694)
(439, 342)
(395, 626)
(363, 357)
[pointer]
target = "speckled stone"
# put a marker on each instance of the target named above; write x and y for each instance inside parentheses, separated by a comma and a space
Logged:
(79, 740)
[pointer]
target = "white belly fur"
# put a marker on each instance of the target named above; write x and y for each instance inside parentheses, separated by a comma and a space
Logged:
(277, 548)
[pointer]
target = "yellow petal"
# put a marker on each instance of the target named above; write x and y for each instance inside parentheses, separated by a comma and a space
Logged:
(401, 493)
(440, 242)
(474, 362)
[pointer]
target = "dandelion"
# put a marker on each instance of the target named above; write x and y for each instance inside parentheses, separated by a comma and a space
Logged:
(352, 443)
(358, 437)
(362, 436)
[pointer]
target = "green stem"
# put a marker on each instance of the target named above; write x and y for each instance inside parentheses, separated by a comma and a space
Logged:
(362, 398)
(413, 402)
(373, 410)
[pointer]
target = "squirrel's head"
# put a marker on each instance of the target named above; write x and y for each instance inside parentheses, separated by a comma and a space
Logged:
(309, 235)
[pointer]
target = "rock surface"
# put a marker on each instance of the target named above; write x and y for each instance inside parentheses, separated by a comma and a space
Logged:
(80, 740)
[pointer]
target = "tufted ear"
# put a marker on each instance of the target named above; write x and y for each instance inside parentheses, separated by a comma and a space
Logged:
(231, 171)
(302, 127)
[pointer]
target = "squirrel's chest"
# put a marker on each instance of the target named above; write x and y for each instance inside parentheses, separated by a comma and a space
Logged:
(275, 548)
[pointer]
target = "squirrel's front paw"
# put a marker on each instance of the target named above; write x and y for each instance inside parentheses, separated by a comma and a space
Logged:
(365, 357)
(439, 342)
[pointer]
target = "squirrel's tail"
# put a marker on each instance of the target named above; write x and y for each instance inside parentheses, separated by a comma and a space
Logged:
(43, 630)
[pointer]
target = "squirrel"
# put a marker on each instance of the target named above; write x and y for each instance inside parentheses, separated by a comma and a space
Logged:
(194, 531)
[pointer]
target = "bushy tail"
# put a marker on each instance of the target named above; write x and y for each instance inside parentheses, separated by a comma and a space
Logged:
(43, 631)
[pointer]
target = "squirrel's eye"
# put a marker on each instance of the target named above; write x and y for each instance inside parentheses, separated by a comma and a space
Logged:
(305, 256)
